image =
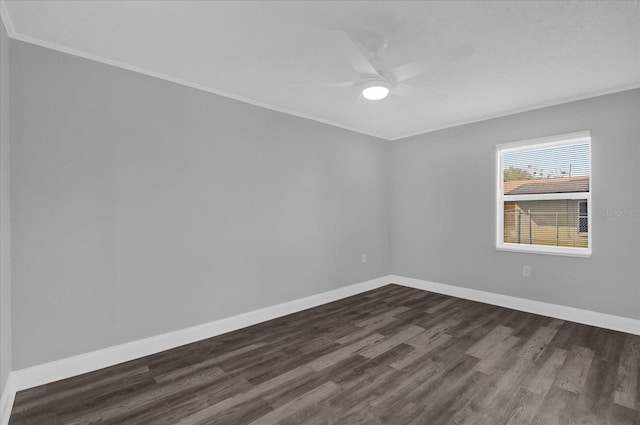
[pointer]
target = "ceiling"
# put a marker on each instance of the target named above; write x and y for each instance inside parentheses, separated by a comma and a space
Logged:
(528, 54)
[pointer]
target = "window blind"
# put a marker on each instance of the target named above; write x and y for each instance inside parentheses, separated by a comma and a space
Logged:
(545, 195)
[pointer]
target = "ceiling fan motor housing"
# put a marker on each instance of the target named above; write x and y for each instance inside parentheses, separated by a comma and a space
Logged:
(376, 89)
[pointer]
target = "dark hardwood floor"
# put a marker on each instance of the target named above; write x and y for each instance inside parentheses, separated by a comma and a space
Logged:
(391, 356)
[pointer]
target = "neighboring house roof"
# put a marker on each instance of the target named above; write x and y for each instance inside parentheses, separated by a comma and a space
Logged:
(555, 185)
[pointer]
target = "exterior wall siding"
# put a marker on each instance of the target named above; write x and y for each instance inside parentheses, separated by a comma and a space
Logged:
(551, 222)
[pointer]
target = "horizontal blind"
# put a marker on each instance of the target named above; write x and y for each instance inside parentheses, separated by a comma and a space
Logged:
(545, 194)
(557, 169)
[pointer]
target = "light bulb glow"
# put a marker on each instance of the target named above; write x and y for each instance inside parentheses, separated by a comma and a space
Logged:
(375, 92)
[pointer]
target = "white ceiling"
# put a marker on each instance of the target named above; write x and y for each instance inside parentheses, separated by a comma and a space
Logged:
(527, 54)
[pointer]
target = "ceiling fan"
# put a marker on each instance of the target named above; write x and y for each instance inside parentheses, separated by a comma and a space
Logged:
(377, 79)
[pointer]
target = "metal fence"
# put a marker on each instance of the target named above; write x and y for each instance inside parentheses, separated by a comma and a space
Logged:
(556, 228)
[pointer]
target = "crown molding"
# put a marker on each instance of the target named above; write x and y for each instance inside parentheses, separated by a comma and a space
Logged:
(15, 35)
(522, 110)
(6, 19)
(4, 13)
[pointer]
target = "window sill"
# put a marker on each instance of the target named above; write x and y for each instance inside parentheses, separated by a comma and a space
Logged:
(546, 250)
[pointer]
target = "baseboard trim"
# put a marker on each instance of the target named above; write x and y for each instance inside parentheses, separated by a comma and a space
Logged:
(94, 360)
(6, 401)
(83, 363)
(587, 317)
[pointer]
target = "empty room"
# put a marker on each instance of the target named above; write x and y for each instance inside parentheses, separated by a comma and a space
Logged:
(319, 212)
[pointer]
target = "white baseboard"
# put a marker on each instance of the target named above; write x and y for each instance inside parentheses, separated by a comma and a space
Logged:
(603, 320)
(94, 360)
(83, 363)
(6, 401)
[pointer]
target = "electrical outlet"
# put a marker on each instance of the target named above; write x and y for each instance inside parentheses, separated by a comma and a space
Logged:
(526, 271)
(364, 258)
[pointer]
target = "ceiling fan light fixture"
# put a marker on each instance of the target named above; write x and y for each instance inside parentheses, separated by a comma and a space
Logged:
(375, 90)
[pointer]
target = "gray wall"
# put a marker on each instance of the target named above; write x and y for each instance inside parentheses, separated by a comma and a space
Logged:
(443, 208)
(5, 230)
(142, 206)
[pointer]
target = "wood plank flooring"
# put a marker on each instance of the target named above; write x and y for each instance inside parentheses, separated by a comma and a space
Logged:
(394, 355)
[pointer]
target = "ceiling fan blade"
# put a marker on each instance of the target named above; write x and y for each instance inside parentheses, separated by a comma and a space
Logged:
(407, 90)
(340, 84)
(354, 54)
(420, 66)
(357, 104)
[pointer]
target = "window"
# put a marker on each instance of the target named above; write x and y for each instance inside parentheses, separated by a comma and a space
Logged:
(583, 218)
(544, 195)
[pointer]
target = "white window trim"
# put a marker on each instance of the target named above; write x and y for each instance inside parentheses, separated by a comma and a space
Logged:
(551, 141)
